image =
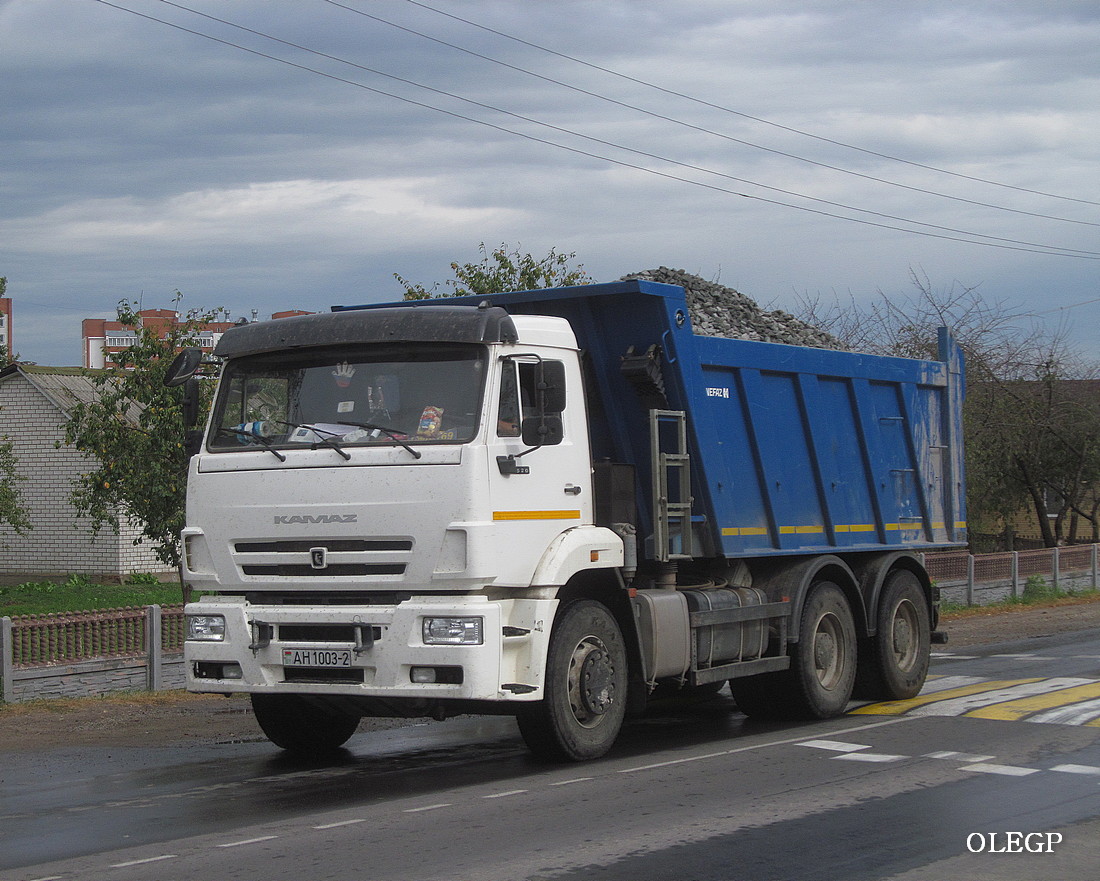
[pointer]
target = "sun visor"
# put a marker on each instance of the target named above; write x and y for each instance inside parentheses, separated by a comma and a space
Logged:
(450, 324)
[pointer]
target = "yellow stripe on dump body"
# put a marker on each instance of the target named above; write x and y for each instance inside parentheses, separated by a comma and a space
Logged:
(800, 530)
(839, 528)
(537, 515)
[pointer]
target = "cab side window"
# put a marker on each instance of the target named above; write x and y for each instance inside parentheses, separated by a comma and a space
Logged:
(508, 408)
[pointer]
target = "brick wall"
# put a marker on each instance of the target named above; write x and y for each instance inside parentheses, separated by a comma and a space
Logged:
(61, 541)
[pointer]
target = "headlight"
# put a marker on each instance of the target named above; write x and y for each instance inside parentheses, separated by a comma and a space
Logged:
(452, 631)
(206, 627)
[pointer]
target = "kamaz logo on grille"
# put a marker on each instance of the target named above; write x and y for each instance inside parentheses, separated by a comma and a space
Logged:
(290, 519)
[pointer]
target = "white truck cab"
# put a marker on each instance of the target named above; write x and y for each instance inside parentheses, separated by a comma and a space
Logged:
(383, 512)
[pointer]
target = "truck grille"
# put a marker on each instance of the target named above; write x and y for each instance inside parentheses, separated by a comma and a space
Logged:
(297, 570)
(342, 557)
(323, 632)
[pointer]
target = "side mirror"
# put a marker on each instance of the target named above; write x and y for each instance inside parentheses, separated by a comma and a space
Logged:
(552, 386)
(183, 368)
(182, 372)
(191, 402)
(542, 431)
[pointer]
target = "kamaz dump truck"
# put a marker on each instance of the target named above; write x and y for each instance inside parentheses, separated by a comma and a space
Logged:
(551, 504)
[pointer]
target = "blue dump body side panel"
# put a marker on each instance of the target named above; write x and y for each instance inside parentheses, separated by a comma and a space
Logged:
(793, 450)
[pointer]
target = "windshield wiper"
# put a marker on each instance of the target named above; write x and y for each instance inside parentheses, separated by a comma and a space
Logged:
(263, 441)
(329, 441)
(391, 433)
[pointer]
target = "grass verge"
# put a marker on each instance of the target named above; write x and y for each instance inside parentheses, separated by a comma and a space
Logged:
(79, 594)
(949, 611)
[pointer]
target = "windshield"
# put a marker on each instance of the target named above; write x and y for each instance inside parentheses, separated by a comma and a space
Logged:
(404, 394)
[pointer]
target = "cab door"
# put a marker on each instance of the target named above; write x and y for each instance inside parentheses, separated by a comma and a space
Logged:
(539, 462)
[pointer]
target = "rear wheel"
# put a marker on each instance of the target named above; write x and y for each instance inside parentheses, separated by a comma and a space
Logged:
(823, 666)
(300, 725)
(585, 688)
(894, 662)
(818, 684)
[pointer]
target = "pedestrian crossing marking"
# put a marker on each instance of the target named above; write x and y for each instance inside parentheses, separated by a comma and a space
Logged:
(1062, 700)
(971, 705)
(897, 708)
(1017, 709)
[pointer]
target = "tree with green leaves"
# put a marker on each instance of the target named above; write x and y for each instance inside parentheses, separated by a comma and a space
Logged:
(132, 432)
(1031, 422)
(12, 511)
(499, 271)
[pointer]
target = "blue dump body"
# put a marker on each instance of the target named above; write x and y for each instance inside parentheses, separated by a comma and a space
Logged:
(793, 450)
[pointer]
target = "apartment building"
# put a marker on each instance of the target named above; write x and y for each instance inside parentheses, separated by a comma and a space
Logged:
(103, 337)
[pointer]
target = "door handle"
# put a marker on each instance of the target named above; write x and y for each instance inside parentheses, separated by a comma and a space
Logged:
(572, 490)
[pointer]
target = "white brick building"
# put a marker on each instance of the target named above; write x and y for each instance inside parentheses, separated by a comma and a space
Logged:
(34, 406)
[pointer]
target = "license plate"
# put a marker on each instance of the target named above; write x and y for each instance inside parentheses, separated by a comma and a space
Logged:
(316, 658)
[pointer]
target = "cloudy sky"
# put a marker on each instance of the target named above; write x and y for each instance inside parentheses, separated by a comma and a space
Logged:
(298, 153)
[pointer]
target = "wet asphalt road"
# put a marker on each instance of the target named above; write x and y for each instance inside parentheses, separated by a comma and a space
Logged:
(693, 792)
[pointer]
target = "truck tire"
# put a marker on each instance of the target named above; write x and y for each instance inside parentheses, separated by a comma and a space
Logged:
(819, 682)
(585, 687)
(301, 726)
(893, 663)
(823, 664)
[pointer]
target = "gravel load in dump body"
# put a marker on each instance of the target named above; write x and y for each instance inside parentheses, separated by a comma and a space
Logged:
(720, 311)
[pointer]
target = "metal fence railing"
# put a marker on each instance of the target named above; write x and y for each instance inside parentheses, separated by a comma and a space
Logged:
(983, 578)
(42, 640)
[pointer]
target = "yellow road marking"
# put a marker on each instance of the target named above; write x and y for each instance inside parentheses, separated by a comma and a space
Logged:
(896, 708)
(1025, 706)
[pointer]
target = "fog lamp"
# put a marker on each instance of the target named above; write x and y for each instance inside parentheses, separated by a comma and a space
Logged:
(232, 671)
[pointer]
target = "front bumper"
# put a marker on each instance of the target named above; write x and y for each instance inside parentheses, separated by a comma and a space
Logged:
(384, 643)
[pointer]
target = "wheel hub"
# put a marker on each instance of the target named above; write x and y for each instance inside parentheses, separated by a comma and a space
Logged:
(591, 681)
(903, 637)
(596, 689)
(824, 651)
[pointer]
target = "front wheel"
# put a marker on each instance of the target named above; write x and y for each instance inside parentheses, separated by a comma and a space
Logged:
(300, 725)
(585, 687)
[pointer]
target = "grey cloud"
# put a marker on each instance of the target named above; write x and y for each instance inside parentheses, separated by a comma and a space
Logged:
(138, 158)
